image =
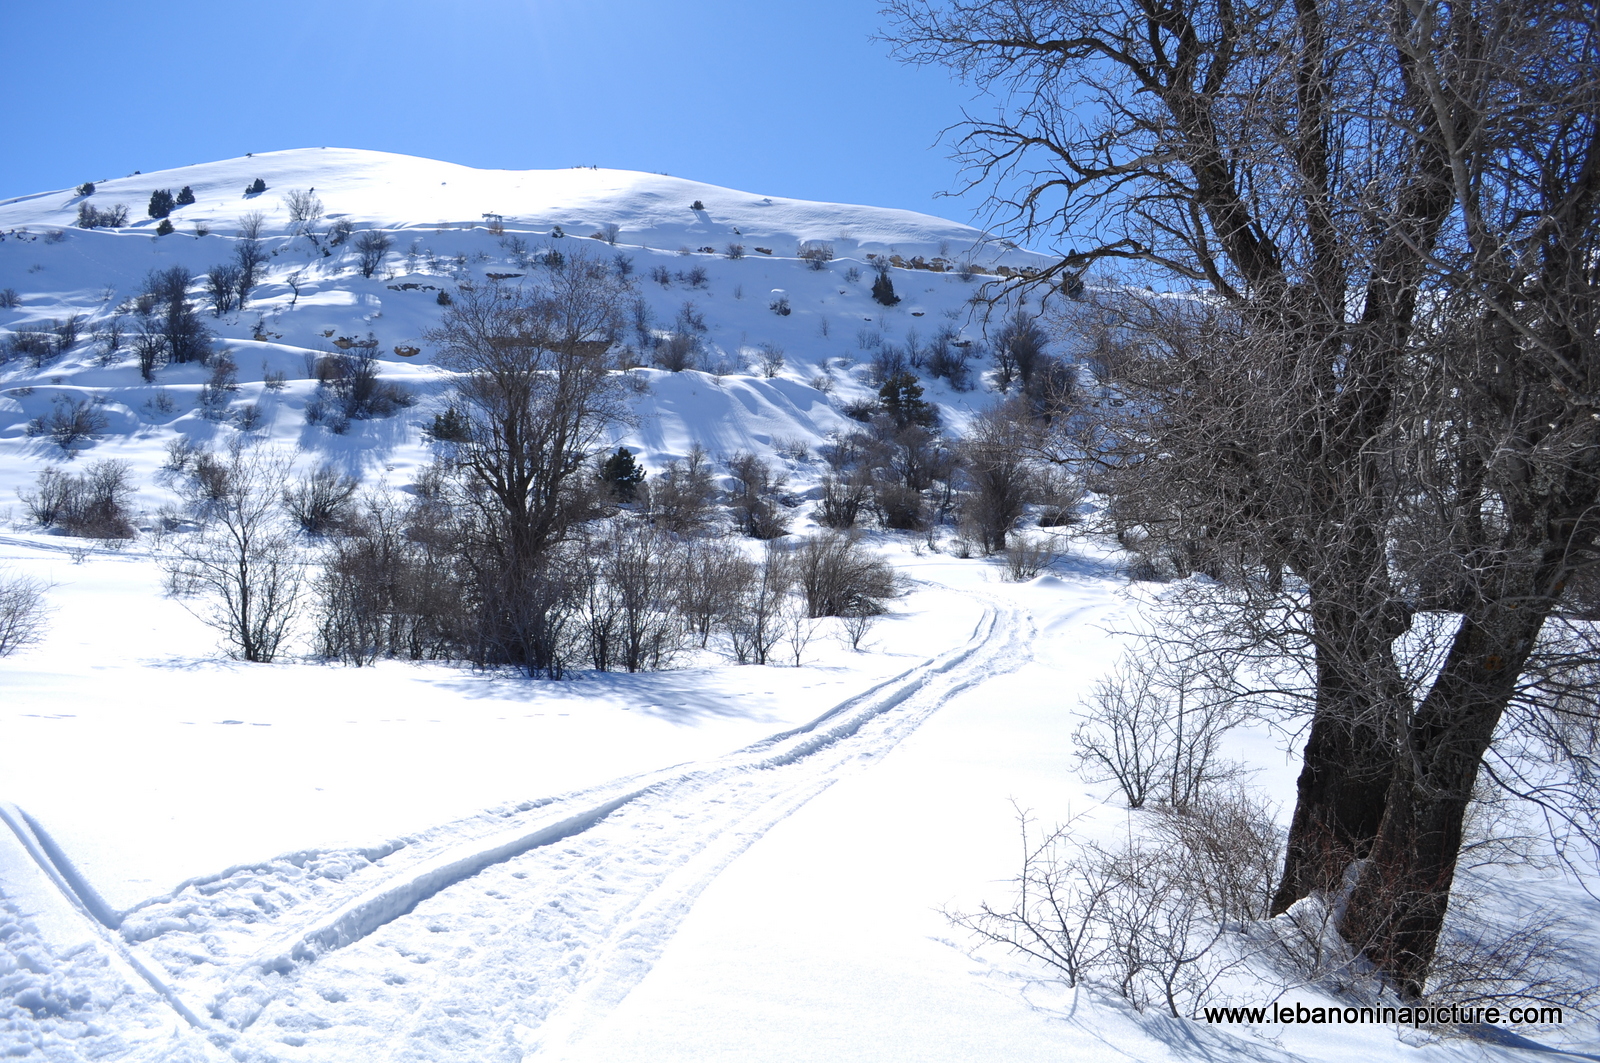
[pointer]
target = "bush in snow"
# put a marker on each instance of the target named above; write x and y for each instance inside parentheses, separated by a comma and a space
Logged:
(371, 246)
(161, 203)
(243, 567)
(91, 217)
(9, 299)
(816, 254)
(322, 502)
(256, 187)
(22, 612)
(86, 189)
(758, 516)
(70, 422)
(184, 197)
(91, 505)
(840, 578)
(349, 388)
(1149, 919)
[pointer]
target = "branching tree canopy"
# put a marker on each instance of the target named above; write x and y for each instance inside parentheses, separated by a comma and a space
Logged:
(1382, 401)
(536, 394)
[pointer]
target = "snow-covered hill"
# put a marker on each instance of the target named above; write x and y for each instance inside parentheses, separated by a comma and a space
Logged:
(450, 224)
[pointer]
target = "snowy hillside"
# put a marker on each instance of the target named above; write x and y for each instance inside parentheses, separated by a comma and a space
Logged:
(438, 218)
(203, 859)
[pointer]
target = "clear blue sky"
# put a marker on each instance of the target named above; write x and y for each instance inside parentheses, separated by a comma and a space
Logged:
(783, 97)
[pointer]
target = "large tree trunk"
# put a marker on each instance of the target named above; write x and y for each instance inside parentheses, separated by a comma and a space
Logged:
(1397, 909)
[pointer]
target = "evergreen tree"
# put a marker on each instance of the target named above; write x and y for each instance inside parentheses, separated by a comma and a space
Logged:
(883, 289)
(185, 196)
(161, 203)
(165, 228)
(86, 189)
(901, 398)
(255, 187)
(622, 475)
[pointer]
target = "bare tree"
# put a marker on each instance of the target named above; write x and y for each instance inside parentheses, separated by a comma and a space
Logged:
(997, 463)
(305, 210)
(1317, 168)
(536, 393)
(243, 564)
(371, 246)
(22, 612)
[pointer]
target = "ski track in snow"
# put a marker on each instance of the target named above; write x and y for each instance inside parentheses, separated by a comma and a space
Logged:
(510, 933)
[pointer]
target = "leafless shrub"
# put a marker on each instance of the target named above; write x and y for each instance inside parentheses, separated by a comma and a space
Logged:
(609, 232)
(838, 577)
(220, 387)
(349, 388)
(92, 505)
(755, 622)
(70, 422)
(769, 358)
(734, 251)
(1154, 724)
(712, 577)
(758, 516)
(244, 564)
(1139, 918)
(371, 246)
(629, 614)
(22, 612)
(1026, 558)
(322, 502)
(9, 299)
(305, 209)
(816, 254)
(842, 501)
(680, 497)
(386, 590)
(223, 285)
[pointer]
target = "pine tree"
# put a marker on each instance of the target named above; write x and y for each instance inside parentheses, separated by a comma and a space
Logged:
(883, 289)
(165, 228)
(901, 398)
(161, 203)
(86, 189)
(622, 475)
(256, 187)
(185, 196)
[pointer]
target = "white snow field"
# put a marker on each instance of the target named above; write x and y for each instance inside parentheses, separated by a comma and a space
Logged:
(205, 860)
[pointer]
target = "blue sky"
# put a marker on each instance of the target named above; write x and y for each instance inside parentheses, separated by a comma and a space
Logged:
(775, 96)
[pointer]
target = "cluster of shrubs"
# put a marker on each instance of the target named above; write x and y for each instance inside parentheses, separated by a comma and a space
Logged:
(92, 217)
(349, 388)
(93, 504)
(623, 593)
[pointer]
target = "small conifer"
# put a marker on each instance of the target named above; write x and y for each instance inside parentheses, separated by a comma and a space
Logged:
(185, 196)
(622, 475)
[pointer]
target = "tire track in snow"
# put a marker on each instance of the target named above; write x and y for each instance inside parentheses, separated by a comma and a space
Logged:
(582, 903)
(81, 898)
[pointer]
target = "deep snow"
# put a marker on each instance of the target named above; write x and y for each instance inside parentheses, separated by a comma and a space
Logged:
(205, 860)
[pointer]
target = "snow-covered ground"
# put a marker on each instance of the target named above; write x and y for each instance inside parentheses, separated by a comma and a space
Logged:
(208, 860)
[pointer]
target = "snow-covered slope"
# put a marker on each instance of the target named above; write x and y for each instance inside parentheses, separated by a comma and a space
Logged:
(450, 224)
